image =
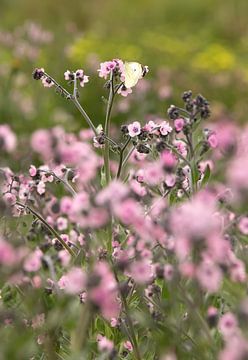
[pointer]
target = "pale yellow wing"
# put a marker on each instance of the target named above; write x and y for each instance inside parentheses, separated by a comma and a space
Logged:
(133, 72)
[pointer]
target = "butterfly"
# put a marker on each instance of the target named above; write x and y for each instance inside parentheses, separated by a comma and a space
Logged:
(133, 72)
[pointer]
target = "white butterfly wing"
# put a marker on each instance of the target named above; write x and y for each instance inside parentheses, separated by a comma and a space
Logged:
(133, 72)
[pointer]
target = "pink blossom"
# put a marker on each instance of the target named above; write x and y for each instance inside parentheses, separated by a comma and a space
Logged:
(141, 271)
(124, 91)
(83, 80)
(228, 325)
(134, 129)
(73, 282)
(168, 272)
(179, 124)
(66, 204)
(47, 82)
(209, 276)
(38, 321)
(213, 140)
(62, 223)
(41, 188)
(32, 170)
(68, 75)
(8, 138)
(8, 254)
(33, 261)
(9, 198)
(243, 225)
(128, 345)
(105, 344)
(165, 128)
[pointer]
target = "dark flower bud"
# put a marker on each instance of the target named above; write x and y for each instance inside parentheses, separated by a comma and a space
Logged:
(173, 112)
(55, 208)
(124, 129)
(161, 146)
(186, 96)
(143, 135)
(100, 139)
(160, 272)
(143, 149)
(200, 101)
(38, 74)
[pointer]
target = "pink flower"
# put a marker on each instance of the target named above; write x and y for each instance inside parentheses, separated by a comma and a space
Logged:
(73, 282)
(7, 138)
(168, 272)
(47, 82)
(243, 225)
(124, 91)
(141, 271)
(228, 325)
(179, 124)
(7, 253)
(105, 344)
(168, 160)
(165, 128)
(68, 75)
(9, 198)
(33, 261)
(41, 188)
(115, 192)
(83, 80)
(134, 129)
(209, 276)
(38, 321)
(127, 345)
(62, 223)
(213, 141)
(32, 170)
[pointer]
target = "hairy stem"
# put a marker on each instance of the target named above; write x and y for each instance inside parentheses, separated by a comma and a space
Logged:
(121, 158)
(107, 129)
(50, 228)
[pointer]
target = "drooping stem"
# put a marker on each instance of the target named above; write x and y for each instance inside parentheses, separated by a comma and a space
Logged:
(107, 129)
(50, 228)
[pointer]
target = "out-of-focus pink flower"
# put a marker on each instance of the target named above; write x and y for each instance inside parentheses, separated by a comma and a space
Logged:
(8, 139)
(134, 129)
(243, 225)
(141, 271)
(33, 261)
(128, 345)
(8, 254)
(179, 124)
(9, 198)
(62, 223)
(213, 141)
(228, 325)
(209, 276)
(38, 321)
(105, 344)
(73, 282)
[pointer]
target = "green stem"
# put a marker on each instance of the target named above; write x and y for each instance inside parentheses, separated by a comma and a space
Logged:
(129, 322)
(107, 130)
(51, 229)
(79, 337)
(121, 158)
(74, 99)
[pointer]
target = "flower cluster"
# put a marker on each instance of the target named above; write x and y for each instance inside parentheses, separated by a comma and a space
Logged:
(140, 253)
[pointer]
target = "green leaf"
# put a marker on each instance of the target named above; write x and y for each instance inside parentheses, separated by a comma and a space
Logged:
(206, 177)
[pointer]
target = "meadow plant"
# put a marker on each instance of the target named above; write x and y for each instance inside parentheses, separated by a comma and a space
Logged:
(125, 243)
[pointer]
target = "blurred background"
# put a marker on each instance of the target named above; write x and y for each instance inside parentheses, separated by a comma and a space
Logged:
(193, 44)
